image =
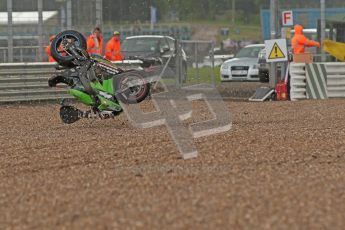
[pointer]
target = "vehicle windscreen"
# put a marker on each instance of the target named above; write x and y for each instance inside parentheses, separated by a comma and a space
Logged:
(249, 52)
(140, 45)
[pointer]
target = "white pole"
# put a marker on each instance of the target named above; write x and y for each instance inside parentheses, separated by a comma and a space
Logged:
(10, 31)
(273, 9)
(62, 17)
(69, 14)
(274, 25)
(99, 18)
(40, 29)
(233, 8)
(323, 27)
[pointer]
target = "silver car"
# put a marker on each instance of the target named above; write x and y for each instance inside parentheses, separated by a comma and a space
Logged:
(244, 67)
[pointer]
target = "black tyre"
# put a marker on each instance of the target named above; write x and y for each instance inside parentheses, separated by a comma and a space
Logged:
(61, 57)
(131, 87)
(263, 76)
(69, 114)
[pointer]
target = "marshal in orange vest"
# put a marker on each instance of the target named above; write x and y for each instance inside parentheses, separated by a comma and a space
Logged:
(113, 48)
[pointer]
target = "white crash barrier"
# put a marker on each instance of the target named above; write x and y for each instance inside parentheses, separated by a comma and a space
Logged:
(335, 80)
(297, 81)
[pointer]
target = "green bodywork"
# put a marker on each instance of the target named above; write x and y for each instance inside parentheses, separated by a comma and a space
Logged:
(107, 87)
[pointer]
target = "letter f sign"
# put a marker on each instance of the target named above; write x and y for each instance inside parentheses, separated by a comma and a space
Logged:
(287, 18)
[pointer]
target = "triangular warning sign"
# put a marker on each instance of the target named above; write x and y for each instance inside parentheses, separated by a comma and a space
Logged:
(276, 52)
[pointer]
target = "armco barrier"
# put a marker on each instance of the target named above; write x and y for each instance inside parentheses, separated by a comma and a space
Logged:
(20, 82)
(335, 80)
(28, 82)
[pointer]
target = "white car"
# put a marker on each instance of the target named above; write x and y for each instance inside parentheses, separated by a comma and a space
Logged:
(244, 67)
(218, 60)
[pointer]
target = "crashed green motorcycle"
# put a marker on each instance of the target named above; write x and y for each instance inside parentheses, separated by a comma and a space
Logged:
(95, 81)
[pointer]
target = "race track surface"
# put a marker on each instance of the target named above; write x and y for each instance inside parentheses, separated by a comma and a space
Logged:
(281, 166)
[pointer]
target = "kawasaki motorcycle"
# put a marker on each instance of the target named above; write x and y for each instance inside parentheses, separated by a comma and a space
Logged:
(95, 81)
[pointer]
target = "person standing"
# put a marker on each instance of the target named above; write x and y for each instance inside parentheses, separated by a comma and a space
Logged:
(95, 42)
(113, 48)
(299, 41)
(50, 57)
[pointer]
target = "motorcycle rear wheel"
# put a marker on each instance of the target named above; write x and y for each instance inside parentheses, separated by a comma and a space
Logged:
(131, 87)
(63, 58)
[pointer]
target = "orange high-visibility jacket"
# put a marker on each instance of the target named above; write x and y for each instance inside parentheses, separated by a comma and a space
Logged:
(92, 46)
(50, 57)
(113, 50)
(299, 41)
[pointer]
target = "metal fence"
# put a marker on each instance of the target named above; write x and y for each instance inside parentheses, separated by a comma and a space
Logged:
(20, 54)
(25, 30)
(200, 63)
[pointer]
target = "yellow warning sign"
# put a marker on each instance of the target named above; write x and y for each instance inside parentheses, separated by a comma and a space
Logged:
(276, 52)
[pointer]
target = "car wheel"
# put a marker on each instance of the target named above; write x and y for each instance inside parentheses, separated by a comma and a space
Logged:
(263, 76)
